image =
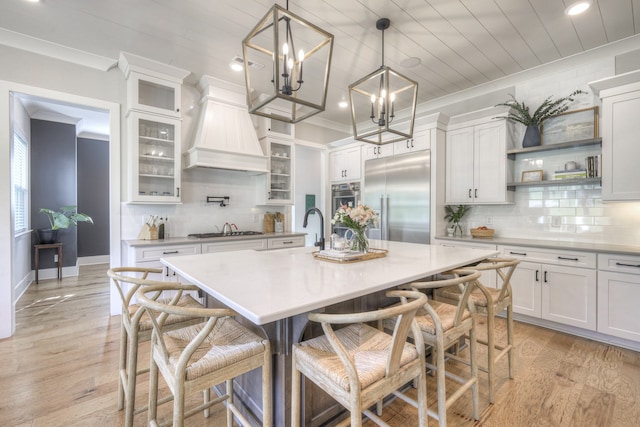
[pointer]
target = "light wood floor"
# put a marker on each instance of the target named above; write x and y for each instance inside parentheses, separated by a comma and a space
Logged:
(60, 369)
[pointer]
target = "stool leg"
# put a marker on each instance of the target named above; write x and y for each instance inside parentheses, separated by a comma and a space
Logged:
(295, 392)
(132, 376)
(510, 338)
(474, 370)
(440, 381)
(229, 403)
(490, 348)
(122, 366)
(153, 390)
(266, 387)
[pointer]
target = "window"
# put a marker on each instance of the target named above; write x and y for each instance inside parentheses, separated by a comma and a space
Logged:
(20, 183)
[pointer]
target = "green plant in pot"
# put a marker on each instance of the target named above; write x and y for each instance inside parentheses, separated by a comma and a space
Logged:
(522, 114)
(65, 217)
(454, 215)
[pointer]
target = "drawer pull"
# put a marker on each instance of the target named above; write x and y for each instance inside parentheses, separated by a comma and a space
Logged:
(289, 242)
(518, 253)
(448, 246)
(169, 252)
(622, 264)
(568, 259)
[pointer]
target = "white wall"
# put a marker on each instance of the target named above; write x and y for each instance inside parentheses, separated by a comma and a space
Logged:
(309, 179)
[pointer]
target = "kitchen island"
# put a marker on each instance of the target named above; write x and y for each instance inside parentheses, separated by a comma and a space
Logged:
(274, 290)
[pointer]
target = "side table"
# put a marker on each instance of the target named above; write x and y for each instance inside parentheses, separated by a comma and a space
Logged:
(48, 246)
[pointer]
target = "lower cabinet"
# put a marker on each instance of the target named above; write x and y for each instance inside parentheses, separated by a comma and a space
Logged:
(236, 245)
(285, 242)
(554, 290)
(149, 256)
(618, 296)
(488, 278)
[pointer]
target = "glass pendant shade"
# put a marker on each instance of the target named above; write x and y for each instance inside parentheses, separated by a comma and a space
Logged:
(383, 104)
(292, 84)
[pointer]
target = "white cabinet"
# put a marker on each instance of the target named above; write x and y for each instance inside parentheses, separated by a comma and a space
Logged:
(420, 141)
(152, 94)
(371, 151)
(149, 256)
(154, 158)
(476, 164)
(345, 164)
(276, 186)
(620, 148)
(489, 277)
(555, 285)
(234, 245)
(618, 295)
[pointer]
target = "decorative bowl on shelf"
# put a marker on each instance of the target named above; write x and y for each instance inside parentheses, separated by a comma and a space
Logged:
(482, 232)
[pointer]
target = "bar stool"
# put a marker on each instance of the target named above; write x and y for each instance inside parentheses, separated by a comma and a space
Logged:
(200, 356)
(489, 302)
(442, 326)
(358, 364)
(136, 327)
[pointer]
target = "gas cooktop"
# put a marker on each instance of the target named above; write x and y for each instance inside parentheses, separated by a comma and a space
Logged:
(233, 233)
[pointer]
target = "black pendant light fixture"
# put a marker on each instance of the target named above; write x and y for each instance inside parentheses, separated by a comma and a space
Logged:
(383, 104)
(287, 43)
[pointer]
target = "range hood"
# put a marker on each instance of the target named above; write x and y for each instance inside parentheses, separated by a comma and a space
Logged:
(225, 137)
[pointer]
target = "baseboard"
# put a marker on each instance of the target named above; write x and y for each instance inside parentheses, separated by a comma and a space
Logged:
(91, 260)
(22, 286)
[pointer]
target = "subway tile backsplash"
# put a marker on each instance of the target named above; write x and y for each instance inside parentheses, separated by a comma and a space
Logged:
(583, 216)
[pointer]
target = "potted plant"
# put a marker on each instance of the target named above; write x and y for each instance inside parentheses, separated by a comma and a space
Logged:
(64, 217)
(454, 215)
(521, 114)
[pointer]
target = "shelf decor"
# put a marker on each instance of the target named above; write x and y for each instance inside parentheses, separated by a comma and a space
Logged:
(570, 126)
(532, 176)
(521, 114)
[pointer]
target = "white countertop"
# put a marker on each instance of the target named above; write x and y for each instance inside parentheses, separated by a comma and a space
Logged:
(186, 239)
(549, 244)
(265, 286)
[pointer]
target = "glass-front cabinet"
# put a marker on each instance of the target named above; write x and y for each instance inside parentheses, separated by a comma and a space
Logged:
(278, 182)
(152, 94)
(155, 158)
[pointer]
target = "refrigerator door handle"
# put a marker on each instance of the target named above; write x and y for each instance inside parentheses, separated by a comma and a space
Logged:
(386, 217)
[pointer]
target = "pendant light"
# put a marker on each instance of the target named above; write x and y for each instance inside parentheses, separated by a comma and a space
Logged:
(290, 45)
(383, 104)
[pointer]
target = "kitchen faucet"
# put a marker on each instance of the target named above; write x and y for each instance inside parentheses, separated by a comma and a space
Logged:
(319, 243)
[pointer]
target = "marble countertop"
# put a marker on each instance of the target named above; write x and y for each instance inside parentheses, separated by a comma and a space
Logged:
(549, 244)
(288, 282)
(185, 239)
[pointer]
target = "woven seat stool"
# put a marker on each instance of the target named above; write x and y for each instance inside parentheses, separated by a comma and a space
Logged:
(201, 356)
(136, 327)
(489, 302)
(358, 365)
(442, 326)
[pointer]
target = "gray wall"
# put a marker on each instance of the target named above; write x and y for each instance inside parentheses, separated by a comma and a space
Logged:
(93, 196)
(53, 182)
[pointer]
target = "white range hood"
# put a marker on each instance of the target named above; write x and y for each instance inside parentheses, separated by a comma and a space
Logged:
(225, 137)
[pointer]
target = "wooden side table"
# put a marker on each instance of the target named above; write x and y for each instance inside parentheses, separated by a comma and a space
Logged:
(49, 246)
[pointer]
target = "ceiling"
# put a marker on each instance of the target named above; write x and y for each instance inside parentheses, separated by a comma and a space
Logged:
(460, 43)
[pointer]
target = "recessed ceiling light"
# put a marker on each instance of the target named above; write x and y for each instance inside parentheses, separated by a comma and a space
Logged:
(577, 8)
(33, 1)
(410, 62)
(343, 104)
(236, 67)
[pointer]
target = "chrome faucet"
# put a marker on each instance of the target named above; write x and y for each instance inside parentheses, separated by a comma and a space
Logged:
(318, 243)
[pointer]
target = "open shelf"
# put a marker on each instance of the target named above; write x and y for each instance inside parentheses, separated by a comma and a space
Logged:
(511, 154)
(578, 181)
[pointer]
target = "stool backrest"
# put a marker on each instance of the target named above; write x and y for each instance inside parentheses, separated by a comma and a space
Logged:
(504, 267)
(128, 280)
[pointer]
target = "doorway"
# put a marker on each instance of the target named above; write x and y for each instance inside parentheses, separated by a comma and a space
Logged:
(12, 254)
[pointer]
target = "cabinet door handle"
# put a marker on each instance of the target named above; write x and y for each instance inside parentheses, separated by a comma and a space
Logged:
(518, 253)
(568, 259)
(177, 191)
(408, 144)
(411, 142)
(622, 264)
(476, 193)
(545, 277)
(169, 252)
(469, 193)
(537, 275)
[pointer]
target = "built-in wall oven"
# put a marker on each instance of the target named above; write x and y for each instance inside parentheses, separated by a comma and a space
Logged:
(343, 194)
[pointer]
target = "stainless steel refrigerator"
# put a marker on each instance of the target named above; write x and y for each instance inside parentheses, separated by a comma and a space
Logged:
(398, 188)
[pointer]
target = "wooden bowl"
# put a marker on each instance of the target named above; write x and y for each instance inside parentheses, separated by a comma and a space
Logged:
(488, 233)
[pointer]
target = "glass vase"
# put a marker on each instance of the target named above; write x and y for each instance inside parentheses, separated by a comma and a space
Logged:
(359, 240)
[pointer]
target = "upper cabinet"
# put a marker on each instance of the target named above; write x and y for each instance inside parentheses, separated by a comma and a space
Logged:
(345, 165)
(371, 151)
(420, 141)
(154, 131)
(620, 172)
(155, 158)
(276, 186)
(153, 95)
(476, 163)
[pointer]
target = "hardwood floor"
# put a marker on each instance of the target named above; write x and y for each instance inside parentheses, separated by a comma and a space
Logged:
(60, 369)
